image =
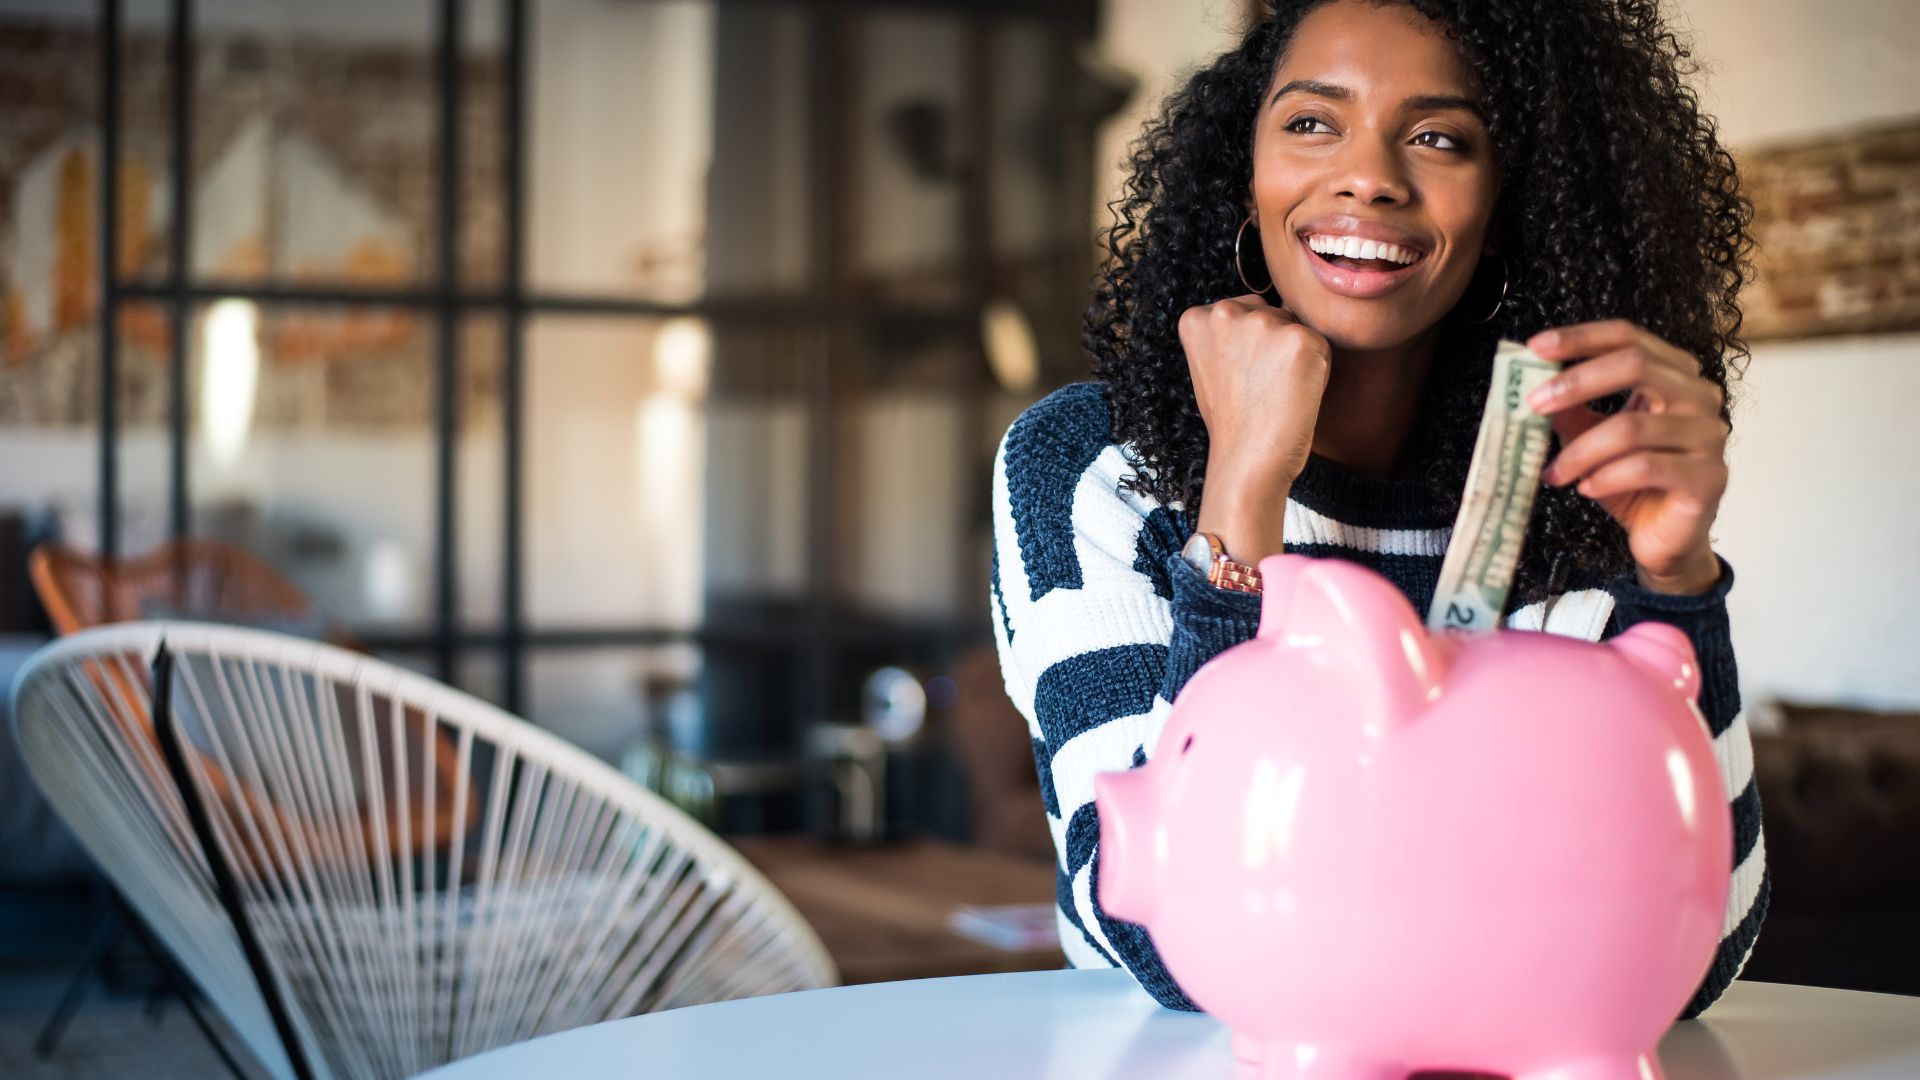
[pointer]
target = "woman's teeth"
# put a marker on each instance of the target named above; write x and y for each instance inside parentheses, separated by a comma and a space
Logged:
(1352, 247)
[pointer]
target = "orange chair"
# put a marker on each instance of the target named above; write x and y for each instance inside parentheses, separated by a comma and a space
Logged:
(206, 581)
(201, 579)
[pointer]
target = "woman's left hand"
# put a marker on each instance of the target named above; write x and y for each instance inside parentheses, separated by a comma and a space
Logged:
(1658, 466)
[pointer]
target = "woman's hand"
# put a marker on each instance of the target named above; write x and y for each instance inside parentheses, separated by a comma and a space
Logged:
(1258, 375)
(1658, 466)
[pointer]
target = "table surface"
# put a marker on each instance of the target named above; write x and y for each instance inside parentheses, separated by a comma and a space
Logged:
(882, 910)
(1085, 1024)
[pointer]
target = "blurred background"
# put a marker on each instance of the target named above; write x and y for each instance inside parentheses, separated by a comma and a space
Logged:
(637, 366)
(632, 378)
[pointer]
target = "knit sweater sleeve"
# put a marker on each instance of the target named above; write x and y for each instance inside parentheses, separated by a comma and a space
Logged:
(1099, 623)
(1704, 620)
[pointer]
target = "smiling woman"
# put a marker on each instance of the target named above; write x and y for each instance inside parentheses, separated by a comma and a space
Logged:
(1548, 166)
(1324, 235)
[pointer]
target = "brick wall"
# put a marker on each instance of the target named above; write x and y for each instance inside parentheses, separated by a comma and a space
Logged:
(369, 109)
(1837, 223)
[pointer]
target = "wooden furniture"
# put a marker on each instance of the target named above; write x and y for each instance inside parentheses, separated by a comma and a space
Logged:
(882, 911)
(1069, 1025)
(200, 579)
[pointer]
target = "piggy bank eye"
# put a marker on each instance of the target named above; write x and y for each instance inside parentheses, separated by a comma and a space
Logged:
(1186, 745)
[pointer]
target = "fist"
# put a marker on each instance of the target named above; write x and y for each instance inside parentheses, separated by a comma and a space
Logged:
(1258, 375)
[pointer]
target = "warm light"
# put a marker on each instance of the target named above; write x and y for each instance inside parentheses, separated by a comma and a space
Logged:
(666, 472)
(680, 355)
(1011, 352)
(230, 377)
(669, 461)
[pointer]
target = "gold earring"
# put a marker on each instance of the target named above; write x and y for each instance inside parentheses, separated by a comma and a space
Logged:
(1505, 281)
(1240, 268)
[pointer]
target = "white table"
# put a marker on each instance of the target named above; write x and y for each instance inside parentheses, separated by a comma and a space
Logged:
(1059, 1024)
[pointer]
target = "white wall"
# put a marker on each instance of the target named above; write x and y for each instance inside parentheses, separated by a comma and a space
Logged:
(1822, 522)
(1787, 69)
(616, 177)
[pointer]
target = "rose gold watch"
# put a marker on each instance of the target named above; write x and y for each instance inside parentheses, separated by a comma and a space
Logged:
(1205, 553)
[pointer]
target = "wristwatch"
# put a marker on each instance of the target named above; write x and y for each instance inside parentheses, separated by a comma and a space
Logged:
(1204, 552)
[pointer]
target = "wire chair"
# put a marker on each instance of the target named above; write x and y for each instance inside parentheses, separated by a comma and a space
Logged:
(198, 580)
(563, 895)
(194, 579)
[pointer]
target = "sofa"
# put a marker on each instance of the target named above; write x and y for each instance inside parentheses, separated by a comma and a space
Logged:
(1840, 802)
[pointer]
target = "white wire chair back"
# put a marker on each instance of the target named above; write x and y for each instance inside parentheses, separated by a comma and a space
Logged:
(557, 893)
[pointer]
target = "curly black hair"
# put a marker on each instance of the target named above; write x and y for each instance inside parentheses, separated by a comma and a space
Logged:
(1617, 200)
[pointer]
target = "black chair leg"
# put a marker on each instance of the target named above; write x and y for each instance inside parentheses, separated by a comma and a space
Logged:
(192, 1001)
(113, 927)
(174, 978)
(115, 924)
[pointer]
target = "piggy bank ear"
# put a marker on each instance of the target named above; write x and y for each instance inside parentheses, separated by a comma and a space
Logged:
(1278, 574)
(1338, 605)
(1663, 652)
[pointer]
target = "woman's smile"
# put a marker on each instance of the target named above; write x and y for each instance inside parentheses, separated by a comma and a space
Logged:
(1359, 257)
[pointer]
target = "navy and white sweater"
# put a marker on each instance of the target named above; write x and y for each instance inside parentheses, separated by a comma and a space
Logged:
(1099, 623)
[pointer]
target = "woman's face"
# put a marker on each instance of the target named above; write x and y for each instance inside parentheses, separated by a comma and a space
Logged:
(1373, 180)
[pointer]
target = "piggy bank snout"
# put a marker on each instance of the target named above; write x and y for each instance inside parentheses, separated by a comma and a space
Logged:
(1128, 819)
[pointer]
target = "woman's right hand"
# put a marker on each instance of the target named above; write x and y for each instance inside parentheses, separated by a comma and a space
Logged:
(1258, 375)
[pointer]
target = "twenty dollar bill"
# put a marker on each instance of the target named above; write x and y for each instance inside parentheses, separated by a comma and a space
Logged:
(1484, 550)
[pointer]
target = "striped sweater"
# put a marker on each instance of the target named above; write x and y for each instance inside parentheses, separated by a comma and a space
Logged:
(1099, 623)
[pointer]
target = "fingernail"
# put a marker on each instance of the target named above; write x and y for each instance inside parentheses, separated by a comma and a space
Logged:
(1543, 394)
(1545, 339)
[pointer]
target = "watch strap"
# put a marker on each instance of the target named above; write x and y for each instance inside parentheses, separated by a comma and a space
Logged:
(1223, 572)
(1239, 577)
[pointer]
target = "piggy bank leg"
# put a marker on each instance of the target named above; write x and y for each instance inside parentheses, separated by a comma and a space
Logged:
(1619, 1067)
(1247, 1049)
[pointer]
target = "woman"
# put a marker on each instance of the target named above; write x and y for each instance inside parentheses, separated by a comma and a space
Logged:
(1325, 234)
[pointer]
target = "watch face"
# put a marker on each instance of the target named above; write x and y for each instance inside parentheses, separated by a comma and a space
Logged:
(1198, 553)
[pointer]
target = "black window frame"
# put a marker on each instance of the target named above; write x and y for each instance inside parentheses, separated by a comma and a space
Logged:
(829, 312)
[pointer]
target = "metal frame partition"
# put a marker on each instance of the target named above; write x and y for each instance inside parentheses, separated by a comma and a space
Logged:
(828, 310)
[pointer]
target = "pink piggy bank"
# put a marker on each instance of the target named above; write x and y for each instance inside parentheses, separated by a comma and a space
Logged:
(1370, 849)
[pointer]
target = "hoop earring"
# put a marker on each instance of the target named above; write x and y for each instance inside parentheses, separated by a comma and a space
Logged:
(1505, 282)
(1240, 268)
